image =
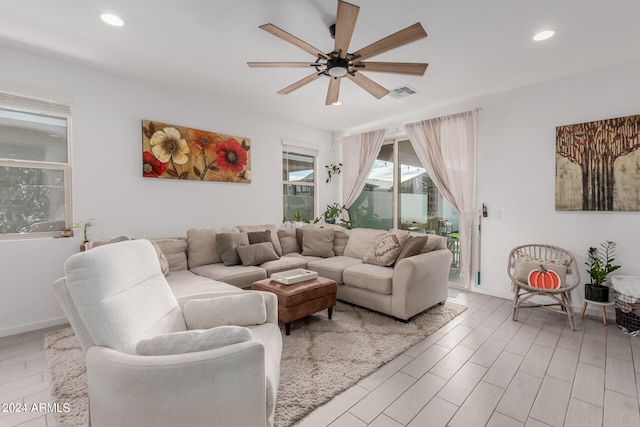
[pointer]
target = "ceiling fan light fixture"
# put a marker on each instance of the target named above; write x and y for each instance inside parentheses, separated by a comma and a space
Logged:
(337, 67)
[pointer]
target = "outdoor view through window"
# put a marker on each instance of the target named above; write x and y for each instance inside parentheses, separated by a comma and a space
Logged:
(400, 194)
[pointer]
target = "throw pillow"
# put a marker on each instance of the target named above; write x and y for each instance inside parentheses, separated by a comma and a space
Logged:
(318, 242)
(244, 309)
(227, 243)
(162, 259)
(288, 241)
(387, 248)
(413, 246)
(175, 249)
(523, 268)
(270, 227)
(257, 254)
(191, 341)
(260, 237)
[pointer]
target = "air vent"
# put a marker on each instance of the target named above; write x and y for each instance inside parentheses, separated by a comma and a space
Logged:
(402, 92)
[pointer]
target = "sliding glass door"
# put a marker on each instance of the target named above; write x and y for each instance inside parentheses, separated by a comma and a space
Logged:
(400, 194)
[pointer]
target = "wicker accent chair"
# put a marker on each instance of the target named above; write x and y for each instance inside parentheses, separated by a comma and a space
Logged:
(556, 259)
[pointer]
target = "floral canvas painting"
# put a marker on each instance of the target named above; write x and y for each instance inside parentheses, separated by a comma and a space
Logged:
(178, 152)
(598, 165)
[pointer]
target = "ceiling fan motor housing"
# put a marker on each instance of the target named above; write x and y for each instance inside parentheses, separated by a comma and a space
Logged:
(337, 67)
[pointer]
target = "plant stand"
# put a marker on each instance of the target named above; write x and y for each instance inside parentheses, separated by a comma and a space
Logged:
(603, 305)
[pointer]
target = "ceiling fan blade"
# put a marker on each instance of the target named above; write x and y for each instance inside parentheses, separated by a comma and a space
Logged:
(413, 68)
(345, 23)
(278, 32)
(369, 85)
(334, 90)
(283, 64)
(402, 37)
(300, 83)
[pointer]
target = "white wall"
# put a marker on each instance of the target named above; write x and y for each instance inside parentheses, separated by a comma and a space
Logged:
(107, 181)
(516, 170)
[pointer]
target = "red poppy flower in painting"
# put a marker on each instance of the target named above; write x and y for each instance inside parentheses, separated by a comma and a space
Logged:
(202, 141)
(231, 156)
(151, 166)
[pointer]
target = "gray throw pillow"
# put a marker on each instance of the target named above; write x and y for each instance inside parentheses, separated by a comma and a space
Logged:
(257, 254)
(227, 243)
(318, 242)
(413, 246)
(259, 237)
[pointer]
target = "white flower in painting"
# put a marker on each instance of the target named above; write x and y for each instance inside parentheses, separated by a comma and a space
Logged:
(167, 144)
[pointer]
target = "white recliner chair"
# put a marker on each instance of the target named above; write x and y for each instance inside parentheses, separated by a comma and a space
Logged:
(147, 367)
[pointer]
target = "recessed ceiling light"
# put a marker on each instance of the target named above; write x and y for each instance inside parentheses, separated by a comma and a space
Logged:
(111, 19)
(336, 103)
(543, 35)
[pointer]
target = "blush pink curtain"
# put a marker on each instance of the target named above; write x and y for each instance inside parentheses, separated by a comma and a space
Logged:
(359, 152)
(446, 149)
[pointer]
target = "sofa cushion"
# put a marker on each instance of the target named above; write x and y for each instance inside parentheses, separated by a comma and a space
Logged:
(202, 249)
(192, 341)
(318, 242)
(271, 227)
(257, 254)
(245, 309)
(288, 241)
(361, 240)
(237, 275)
(226, 243)
(187, 285)
(373, 278)
(332, 268)
(175, 250)
(413, 246)
(340, 239)
(306, 258)
(386, 249)
(283, 264)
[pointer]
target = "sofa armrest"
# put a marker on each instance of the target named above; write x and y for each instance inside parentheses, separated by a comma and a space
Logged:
(226, 384)
(419, 282)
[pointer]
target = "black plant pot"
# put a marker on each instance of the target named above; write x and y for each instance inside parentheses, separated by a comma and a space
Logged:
(596, 293)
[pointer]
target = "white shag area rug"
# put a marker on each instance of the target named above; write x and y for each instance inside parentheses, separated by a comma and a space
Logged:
(320, 359)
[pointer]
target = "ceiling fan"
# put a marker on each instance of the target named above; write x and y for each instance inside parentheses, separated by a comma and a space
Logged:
(339, 63)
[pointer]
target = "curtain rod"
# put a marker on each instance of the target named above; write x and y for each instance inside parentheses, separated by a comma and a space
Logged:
(400, 127)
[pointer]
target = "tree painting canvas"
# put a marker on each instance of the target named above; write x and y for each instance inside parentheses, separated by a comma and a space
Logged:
(598, 165)
(178, 152)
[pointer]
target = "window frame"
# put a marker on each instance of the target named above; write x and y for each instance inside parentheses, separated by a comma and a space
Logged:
(301, 149)
(25, 104)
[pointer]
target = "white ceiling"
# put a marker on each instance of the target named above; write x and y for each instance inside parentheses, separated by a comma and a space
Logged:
(474, 47)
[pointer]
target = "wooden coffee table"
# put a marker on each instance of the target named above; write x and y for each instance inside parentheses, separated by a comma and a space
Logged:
(300, 299)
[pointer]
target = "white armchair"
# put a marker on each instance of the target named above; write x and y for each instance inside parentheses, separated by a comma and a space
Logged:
(121, 306)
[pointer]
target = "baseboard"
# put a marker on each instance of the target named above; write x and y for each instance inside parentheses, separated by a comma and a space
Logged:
(30, 327)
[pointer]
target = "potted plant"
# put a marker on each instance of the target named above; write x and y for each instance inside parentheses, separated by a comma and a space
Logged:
(332, 170)
(333, 215)
(600, 262)
(85, 228)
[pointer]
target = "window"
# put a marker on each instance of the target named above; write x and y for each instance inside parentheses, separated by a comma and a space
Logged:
(34, 167)
(400, 194)
(299, 184)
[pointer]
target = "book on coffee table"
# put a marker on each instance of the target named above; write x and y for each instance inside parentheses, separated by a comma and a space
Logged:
(294, 276)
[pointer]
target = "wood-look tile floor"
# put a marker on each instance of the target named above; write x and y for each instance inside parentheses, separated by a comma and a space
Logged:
(481, 369)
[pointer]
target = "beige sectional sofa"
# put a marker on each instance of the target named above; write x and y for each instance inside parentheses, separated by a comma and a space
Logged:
(401, 289)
